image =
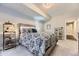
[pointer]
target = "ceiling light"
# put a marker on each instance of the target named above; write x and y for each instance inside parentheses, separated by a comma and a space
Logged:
(77, 19)
(47, 5)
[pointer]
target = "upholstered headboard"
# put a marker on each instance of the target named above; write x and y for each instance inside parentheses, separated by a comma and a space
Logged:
(26, 28)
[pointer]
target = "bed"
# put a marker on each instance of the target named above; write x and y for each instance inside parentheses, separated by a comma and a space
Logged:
(36, 43)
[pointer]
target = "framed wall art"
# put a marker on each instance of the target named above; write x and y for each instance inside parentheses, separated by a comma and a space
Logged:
(48, 26)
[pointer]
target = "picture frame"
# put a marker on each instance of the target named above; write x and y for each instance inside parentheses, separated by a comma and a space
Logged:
(48, 26)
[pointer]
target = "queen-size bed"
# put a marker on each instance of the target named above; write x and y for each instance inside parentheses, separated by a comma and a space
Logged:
(36, 43)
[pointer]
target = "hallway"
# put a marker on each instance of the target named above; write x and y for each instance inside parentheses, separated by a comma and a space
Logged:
(65, 48)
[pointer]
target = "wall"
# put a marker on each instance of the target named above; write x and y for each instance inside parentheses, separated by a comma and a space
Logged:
(15, 20)
(58, 21)
(39, 26)
(77, 25)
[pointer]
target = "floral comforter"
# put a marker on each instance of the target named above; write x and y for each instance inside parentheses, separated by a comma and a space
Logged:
(34, 43)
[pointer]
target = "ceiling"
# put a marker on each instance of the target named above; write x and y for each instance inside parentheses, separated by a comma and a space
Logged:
(39, 11)
(46, 8)
(19, 10)
(61, 8)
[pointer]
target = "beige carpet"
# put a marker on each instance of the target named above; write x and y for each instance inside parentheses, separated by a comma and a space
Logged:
(17, 51)
(65, 48)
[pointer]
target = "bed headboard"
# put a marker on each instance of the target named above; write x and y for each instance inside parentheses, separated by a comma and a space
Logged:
(24, 27)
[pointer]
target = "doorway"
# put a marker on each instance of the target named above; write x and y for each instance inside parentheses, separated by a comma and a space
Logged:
(70, 30)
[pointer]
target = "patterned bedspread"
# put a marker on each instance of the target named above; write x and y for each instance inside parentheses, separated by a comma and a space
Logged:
(37, 43)
(34, 43)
